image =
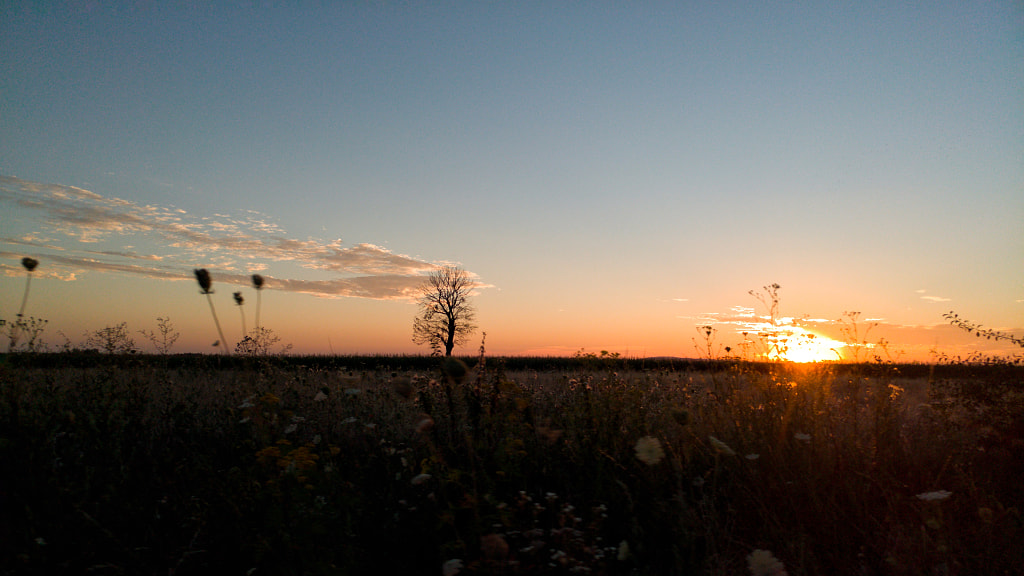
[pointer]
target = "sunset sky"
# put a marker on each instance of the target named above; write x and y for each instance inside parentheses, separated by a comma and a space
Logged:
(613, 174)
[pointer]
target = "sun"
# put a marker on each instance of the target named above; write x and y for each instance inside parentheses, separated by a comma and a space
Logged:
(804, 345)
(794, 343)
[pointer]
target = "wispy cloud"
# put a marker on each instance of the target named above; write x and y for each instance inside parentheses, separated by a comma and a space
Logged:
(82, 231)
(934, 299)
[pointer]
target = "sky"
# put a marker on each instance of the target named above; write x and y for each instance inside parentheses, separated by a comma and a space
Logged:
(614, 175)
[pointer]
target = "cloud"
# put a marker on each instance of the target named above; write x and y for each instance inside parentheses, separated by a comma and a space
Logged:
(934, 299)
(94, 233)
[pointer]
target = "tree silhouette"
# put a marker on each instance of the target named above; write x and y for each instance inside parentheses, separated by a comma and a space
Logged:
(446, 315)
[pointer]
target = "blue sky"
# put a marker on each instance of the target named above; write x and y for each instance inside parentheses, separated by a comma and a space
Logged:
(612, 172)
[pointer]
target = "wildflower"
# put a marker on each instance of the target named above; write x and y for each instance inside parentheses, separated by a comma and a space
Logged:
(648, 450)
(420, 479)
(763, 563)
(802, 437)
(353, 391)
(698, 481)
(935, 496)
(247, 403)
(752, 457)
(721, 447)
(320, 397)
(451, 567)
(291, 428)
(623, 551)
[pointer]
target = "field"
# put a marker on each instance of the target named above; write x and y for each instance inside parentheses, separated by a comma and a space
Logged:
(195, 465)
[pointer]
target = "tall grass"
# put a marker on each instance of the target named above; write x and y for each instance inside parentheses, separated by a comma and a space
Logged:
(158, 467)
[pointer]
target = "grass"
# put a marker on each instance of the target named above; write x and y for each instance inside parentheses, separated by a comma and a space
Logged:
(199, 464)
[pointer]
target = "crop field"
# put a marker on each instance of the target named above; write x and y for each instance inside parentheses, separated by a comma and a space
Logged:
(198, 465)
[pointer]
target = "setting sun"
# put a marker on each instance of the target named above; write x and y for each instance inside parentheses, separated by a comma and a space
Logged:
(811, 347)
(795, 344)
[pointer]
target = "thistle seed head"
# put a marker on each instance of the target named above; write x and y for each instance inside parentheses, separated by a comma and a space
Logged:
(238, 298)
(257, 281)
(203, 277)
(29, 263)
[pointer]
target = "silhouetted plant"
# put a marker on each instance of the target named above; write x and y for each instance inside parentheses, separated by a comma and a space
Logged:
(976, 329)
(257, 283)
(775, 342)
(15, 330)
(165, 339)
(206, 284)
(850, 330)
(706, 349)
(258, 343)
(239, 300)
(111, 339)
(32, 328)
(446, 314)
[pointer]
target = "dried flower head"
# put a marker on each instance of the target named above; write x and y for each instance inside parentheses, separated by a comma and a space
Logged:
(935, 496)
(238, 298)
(203, 277)
(649, 451)
(257, 281)
(29, 263)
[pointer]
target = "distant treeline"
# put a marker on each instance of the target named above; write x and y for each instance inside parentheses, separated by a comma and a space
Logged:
(426, 364)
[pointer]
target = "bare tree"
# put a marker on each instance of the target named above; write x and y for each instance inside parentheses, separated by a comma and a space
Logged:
(446, 316)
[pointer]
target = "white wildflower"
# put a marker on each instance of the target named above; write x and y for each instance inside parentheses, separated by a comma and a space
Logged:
(649, 451)
(752, 456)
(320, 397)
(764, 563)
(721, 447)
(802, 437)
(935, 496)
(623, 551)
(420, 479)
(451, 567)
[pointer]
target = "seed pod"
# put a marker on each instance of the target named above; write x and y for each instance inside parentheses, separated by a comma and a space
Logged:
(257, 281)
(29, 263)
(203, 277)
(238, 298)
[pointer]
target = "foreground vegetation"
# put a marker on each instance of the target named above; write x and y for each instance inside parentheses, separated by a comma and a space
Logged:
(186, 465)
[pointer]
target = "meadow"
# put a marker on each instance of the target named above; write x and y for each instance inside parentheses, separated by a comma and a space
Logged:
(130, 464)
